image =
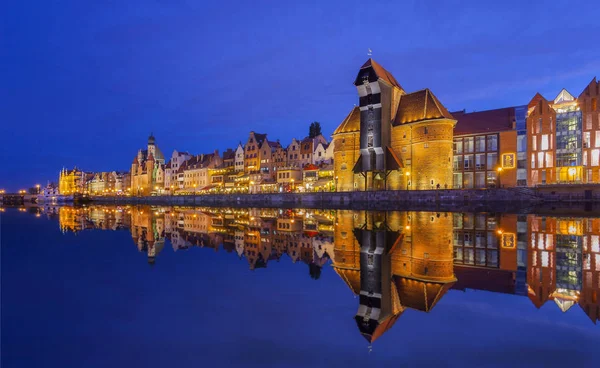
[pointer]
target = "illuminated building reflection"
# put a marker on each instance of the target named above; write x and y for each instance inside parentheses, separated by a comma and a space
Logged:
(392, 261)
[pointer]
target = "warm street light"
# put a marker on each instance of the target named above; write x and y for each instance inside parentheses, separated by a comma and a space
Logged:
(571, 173)
(407, 179)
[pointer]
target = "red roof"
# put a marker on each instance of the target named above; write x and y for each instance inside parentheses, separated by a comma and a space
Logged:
(381, 72)
(497, 120)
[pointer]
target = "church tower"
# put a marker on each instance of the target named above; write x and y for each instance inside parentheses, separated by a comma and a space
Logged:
(151, 145)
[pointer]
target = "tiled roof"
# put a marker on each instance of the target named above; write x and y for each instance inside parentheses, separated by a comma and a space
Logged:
(381, 72)
(420, 294)
(419, 106)
(351, 123)
(373, 329)
(229, 155)
(350, 276)
(497, 120)
(273, 144)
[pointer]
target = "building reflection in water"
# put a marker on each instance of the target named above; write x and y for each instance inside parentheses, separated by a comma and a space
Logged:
(392, 261)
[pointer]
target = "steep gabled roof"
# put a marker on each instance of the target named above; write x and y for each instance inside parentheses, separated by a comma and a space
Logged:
(374, 329)
(381, 72)
(588, 89)
(420, 294)
(419, 106)
(351, 276)
(536, 99)
(563, 96)
(351, 123)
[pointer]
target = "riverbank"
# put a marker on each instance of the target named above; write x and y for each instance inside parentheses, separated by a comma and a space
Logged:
(455, 199)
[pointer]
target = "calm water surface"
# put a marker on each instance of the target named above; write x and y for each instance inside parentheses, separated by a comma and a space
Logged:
(156, 287)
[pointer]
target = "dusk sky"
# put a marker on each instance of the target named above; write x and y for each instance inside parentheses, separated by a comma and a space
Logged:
(85, 82)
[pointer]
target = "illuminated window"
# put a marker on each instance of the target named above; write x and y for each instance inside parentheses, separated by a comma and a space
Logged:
(544, 142)
(585, 158)
(597, 142)
(595, 157)
(549, 162)
(540, 159)
(534, 143)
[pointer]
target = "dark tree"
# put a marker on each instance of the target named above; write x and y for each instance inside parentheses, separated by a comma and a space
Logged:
(315, 271)
(315, 129)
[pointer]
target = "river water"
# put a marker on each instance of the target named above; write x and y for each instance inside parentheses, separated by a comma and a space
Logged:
(187, 287)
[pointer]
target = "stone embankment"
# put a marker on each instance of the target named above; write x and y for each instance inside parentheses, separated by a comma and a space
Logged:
(451, 200)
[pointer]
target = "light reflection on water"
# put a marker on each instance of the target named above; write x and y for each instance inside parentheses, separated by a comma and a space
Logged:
(392, 261)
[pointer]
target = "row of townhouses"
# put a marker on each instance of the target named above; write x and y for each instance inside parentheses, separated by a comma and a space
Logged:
(392, 140)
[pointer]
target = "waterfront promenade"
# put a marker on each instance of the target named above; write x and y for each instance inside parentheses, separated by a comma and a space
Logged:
(497, 199)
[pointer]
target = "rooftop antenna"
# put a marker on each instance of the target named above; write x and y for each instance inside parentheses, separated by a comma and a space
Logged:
(370, 52)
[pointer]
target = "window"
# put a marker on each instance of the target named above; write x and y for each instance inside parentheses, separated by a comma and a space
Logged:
(426, 145)
(522, 143)
(544, 142)
(586, 139)
(549, 162)
(538, 128)
(594, 104)
(425, 130)
(492, 160)
(595, 157)
(540, 159)
(597, 141)
(468, 145)
(468, 162)
(480, 161)
(480, 144)
(533, 143)
(458, 147)
(492, 142)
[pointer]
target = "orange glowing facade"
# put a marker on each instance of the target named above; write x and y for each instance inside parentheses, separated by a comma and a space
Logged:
(563, 137)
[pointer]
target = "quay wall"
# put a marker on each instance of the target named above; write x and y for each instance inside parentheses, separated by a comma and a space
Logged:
(453, 199)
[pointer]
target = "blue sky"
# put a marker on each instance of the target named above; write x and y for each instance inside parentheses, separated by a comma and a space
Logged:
(85, 82)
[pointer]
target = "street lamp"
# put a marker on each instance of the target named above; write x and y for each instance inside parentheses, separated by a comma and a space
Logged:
(407, 179)
(292, 184)
(571, 173)
(251, 184)
(194, 188)
(171, 189)
(499, 169)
